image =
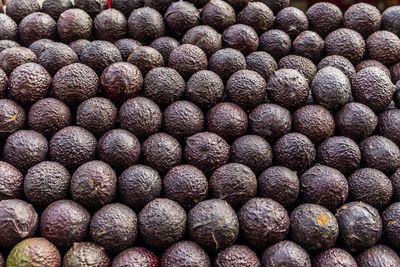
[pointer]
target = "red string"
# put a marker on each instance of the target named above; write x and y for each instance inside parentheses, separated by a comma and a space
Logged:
(109, 3)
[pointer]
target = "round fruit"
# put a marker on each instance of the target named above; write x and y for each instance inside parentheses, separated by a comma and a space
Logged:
(303, 65)
(98, 55)
(126, 47)
(241, 37)
(291, 20)
(82, 253)
(56, 7)
(13, 57)
(338, 62)
(257, 15)
(146, 58)
(18, 9)
(37, 26)
(110, 25)
(237, 256)
(286, 253)
(391, 227)
(146, 24)
(362, 17)
(9, 29)
(187, 59)
(55, 56)
(379, 255)
(275, 42)
(74, 24)
(226, 62)
(181, 16)
(205, 37)
(165, 45)
(218, 14)
(185, 253)
(334, 257)
(324, 18)
(310, 45)
(11, 180)
(12, 117)
(135, 257)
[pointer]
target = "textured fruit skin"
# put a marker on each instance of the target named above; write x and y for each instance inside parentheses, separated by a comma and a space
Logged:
(390, 219)
(338, 62)
(284, 81)
(252, 151)
(206, 151)
(294, 151)
(347, 43)
(19, 221)
(165, 45)
(185, 253)
(315, 188)
(275, 42)
(9, 29)
(331, 88)
(46, 183)
(263, 222)
(74, 24)
(388, 123)
(75, 83)
(78, 45)
(218, 14)
(276, 5)
(86, 254)
(334, 257)
(56, 7)
(181, 17)
(163, 86)
(98, 55)
(340, 153)
(237, 256)
(356, 121)
(360, 226)
(37, 26)
(205, 37)
(291, 20)
(18, 9)
(40, 45)
(227, 120)
(380, 153)
(72, 146)
(29, 83)
(241, 37)
(121, 81)
(395, 73)
(286, 253)
(324, 18)
(116, 31)
(161, 152)
(310, 45)
(4, 44)
(141, 116)
(187, 59)
(370, 186)
(126, 6)
(372, 63)
(97, 115)
(146, 58)
(226, 62)
(213, 224)
(395, 178)
(114, 227)
(160, 5)
(126, 46)
(92, 7)
(56, 56)
(135, 257)
(162, 222)
(364, 18)
(11, 180)
(261, 62)
(93, 184)
(24, 149)
(379, 255)
(384, 46)
(146, 24)
(65, 222)
(119, 148)
(13, 57)
(35, 251)
(390, 20)
(257, 15)
(12, 117)
(303, 65)
(182, 119)
(138, 185)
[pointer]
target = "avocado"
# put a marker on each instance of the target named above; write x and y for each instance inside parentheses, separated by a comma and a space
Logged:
(263, 222)
(372, 63)
(205, 37)
(371, 187)
(210, 217)
(126, 47)
(233, 182)
(19, 221)
(138, 185)
(126, 6)
(98, 115)
(165, 45)
(86, 254)
(119, 148)
(388, 123)
(8, 29)
(384, 46)
(237, 256)
(205, 89)
(98, 55)
(146, 58)
(18, 9)
(324, 18)
(200, 3)
(263, 63)
(92, 7)
(185, 185)
(257, 15)
(141, 116)
(164, 86)
(347, 43)
(291, 20)
(309, 44)
(75, 83)
(40, 45)
(185, 253)
(56, 7)
(238, 4)
(341, 153)
(135, 257)
(395, 73)
(162, 223)
(241, 37)
(37, 26)
(93, 184)
(160, 5)
(72, 146)
(187, 59)
(35, 250)
(390, 20)
(57, 56)
(181, 16)
(161, 152)
(303, 65)
(3, 84)
(114, 227)
(360, 226)
(65, 222)
(182, 119)
(146, 24)
(313, 227)
(78, 45)
(338, 62)
(391, 227)
(110, 25)
(379, 255)
(74, 24)
(11, 180)
(286, 253)
(46, 183)
(317, 189)
(275, 42)
(226, 62)
(4, 44)
(218, 14)
(13, 57)
(334, 257)
(362, 17)
(12, 117)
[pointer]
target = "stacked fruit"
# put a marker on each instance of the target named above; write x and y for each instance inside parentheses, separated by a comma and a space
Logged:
(199, 133)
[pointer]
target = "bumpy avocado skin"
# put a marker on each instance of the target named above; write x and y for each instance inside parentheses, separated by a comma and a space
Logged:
(86, 254)
(185, 253)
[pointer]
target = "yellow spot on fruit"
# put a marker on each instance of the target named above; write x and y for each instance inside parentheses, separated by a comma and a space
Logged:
(14, 117)
(323, 219)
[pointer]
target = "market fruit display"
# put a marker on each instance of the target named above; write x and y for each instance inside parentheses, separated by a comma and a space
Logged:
(199, 133)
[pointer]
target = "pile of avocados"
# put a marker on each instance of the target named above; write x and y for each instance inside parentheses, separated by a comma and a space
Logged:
(199, 133)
